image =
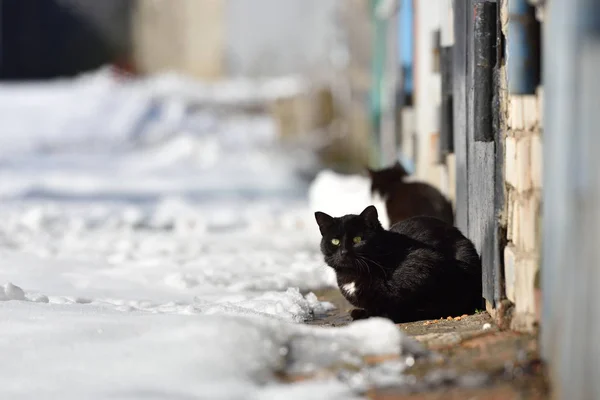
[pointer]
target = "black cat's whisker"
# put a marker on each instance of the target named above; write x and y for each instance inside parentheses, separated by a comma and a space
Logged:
(367, 270)
(382, 268)
(356, 263)
(361, 267)
(365, 259)
(363, 262)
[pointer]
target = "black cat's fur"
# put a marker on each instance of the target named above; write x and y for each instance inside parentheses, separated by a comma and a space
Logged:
(408, 199)
(422, 268)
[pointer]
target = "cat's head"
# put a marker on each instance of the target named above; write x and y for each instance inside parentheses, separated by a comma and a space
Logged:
(347, 241)
(383, 179)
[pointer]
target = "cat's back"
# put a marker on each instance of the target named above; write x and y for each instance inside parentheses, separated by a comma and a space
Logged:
(425, 228)
(439, 235)
(413, 198)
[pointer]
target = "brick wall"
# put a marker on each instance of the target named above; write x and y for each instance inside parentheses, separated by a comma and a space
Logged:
(523, 178)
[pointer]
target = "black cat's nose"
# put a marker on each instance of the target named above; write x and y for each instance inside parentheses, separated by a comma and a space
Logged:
(343, 252)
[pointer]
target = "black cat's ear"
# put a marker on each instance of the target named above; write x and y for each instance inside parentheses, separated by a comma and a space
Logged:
(323, 220)
(398, 166)
(370, 214)
(369, 171)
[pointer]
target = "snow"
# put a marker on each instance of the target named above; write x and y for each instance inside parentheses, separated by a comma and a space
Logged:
(8, 291)
(90, 351)
(337, 195)
(153, 245)
(147, 110)
(320, 390)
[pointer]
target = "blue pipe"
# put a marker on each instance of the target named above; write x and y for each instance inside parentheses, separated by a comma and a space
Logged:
(523, 48)
(405, 27)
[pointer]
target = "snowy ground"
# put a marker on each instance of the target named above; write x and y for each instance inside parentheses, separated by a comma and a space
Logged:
(150, 249)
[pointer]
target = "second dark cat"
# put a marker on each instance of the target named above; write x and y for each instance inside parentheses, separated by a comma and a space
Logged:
(422, 268)
(408, 199)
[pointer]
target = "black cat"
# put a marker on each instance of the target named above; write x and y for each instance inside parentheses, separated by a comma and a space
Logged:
(422, 268)
(408, 199)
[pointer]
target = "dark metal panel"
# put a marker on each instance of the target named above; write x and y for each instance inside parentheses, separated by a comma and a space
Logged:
(459, 105)
(471, 167)
(484, 56)
(499, 125)
(481, 211)
(482, 148)
(446, 120)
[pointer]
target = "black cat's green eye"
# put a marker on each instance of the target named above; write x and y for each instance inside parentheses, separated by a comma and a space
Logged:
(357, 239)
(335, 242)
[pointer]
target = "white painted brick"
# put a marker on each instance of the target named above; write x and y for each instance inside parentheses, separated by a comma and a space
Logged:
(523, 182)
(537, 164)
(525, 317)
(510, 262)
(530, 112)
(510, 161)
(524, 322)
(540, 105)
(510, 210)
(517, 165)
(525, 270)
(515, 113)
(526, 230)
(515, 221)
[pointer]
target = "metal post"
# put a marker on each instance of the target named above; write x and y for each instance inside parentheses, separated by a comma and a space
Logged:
(571, 195)
(1, 41)
(481, 146)
(461, 13)
(446, 107)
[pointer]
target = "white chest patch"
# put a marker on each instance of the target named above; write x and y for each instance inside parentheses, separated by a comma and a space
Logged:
(349, 288)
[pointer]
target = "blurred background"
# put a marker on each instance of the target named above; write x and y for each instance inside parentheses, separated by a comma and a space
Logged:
(322, 54)
(288, 88)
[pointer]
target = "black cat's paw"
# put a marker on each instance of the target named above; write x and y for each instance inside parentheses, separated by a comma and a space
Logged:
(359, 313)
